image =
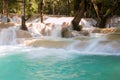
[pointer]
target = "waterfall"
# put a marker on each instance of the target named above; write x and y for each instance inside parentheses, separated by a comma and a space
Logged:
(3, 19)
(15, 19)
(52, 26)
(113, 22)
(87, 22)
(73, 45)
(8, 36)
(92, 45)
(56, 31)
(40, 29)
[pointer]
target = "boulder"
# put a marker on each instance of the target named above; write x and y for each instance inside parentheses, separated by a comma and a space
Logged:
(66, 33)
(66, 30)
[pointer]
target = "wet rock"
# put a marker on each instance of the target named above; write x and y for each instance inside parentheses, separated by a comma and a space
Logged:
(110, 30)
(75, 33)
(113, 37)
(106, 30)
(47, 43)
(84, 33)
(96, 30)
(66, 30)
(6, 25)
(23, 34)
(66, 33)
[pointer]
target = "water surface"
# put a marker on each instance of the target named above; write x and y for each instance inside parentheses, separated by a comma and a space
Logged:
(20, 63)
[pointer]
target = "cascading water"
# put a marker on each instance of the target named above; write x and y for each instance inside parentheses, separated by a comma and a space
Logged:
(15, 19)
(93, 45)
(3, 19)
(40, 29)
(56, 32)
(8, 36)
(94, 57)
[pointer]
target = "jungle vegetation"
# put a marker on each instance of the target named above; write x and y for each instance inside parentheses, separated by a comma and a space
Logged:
(100, 10)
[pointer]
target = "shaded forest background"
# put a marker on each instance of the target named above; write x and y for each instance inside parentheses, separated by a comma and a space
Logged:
(100, 10)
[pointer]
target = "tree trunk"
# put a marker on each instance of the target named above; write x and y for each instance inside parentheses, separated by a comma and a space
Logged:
(41, 13)
(3, 6)
(59, 7)
(68, 7)
(7, 12)
(102, 22)
(5, 9)
(96, 10)
(79, 15)
(102, 17)
(38, 7)
(23, 25)
(76, 5)
(53, 7)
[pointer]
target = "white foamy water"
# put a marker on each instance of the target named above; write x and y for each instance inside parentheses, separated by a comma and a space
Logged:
(3, 19)
(113, 22)
(96, 45)
(42, 52)
(92, 45)
(53, 25)
(51, 32)
(8, 36)
(15, 19)
(58, 20)
(40, 29)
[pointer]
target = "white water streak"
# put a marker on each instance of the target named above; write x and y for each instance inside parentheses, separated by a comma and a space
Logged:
(8, 37)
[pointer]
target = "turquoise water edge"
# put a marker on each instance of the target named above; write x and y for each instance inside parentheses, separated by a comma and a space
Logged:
(57, 64)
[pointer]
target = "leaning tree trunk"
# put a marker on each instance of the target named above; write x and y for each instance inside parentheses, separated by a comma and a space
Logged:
(23, 25)
(79, 15)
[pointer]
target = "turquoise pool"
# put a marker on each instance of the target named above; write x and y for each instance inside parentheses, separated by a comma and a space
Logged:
(20, 63)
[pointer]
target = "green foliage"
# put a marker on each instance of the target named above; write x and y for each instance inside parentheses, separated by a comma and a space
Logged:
(62, 7)
(13, 6)
(31, 7)
(76, 4)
